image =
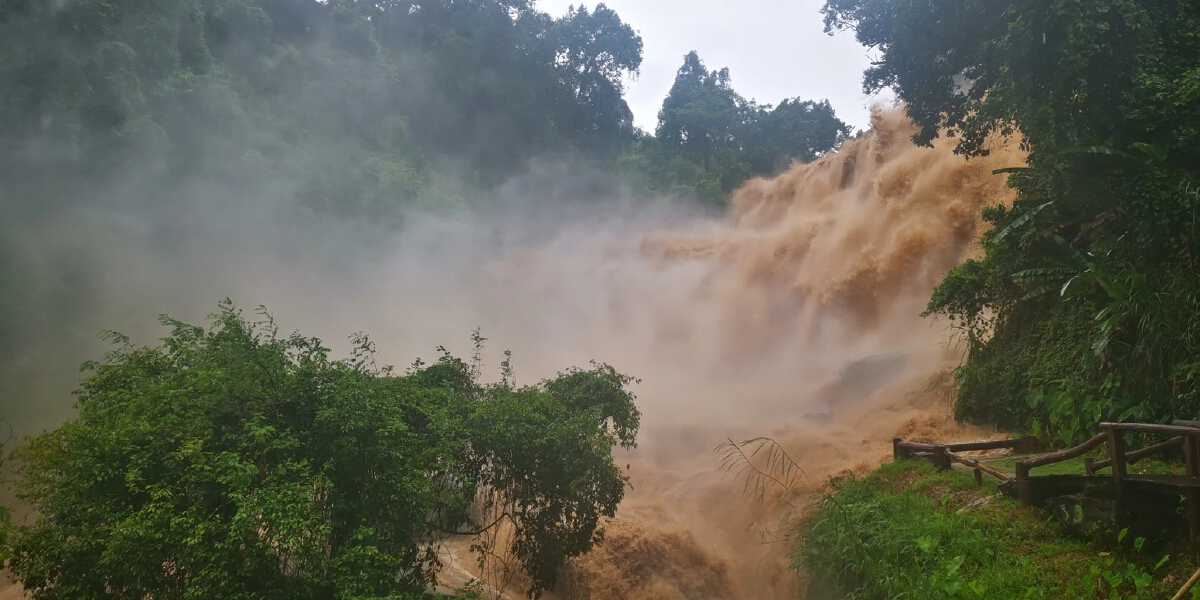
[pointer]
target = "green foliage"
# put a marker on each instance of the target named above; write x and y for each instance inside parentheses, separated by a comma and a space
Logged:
(700, 113)
(1087, 291)
(596, 51)
(234, 462)
(495, 83)
(301, 113)
(710, 139)
(778, 471)
(486, 85)
(907, 530)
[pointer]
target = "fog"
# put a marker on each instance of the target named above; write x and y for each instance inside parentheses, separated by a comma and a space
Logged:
(738, 324)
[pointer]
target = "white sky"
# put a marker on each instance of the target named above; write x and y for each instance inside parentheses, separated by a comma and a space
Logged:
(774, 49)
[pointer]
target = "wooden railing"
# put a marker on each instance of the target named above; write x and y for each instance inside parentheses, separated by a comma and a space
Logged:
(1090, 465)
(1024, 466)
(943, 455)
(1183, 433)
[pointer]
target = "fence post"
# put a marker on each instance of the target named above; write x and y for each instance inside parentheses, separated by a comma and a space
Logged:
(941, 460)
(1191, 455)
(1024, 487)
(1116, 453)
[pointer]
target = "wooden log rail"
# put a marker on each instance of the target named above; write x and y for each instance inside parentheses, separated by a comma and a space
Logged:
(978, 467)
(1024, 466)
(900, 445)
(942, 455)
(1184, 433)
(1090, 466)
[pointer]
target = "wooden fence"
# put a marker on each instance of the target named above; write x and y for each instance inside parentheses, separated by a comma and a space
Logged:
(1033, 489)
(1124, 485)
(943, 455)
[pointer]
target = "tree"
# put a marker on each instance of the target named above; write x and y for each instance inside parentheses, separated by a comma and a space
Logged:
(700, 114)
(795, 130)
(597, 51)
(1066, 73)
(312, 91)
(1098, 250)
(498, 83)
(710, 139)
(233, 462)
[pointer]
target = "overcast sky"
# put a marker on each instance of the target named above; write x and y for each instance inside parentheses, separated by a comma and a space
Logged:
(774, 49)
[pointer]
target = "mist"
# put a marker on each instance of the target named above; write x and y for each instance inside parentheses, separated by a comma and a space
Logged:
(288, 154)
(740, 323)
(738, 326)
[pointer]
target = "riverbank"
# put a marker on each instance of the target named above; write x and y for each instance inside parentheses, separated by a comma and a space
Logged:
(908, 530)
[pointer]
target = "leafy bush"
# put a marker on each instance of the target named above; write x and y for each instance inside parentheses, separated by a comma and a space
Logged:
(232, 462)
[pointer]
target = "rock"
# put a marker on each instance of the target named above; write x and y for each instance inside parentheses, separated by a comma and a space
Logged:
(1083, 516)
(984, 501)
(1008, 487)
(976, 503)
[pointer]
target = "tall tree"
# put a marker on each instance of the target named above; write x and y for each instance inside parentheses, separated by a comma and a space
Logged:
(499, 82)
(795, 130)
(700, 114)
(1098, 251)
(596, 52)
(710, 139)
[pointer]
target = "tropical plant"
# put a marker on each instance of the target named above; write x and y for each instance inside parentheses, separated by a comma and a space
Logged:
(1090, 276)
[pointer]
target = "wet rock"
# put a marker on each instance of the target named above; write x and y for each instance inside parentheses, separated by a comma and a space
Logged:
(1008, 487)
(980, 502)
(1082, 516)
(976, 504)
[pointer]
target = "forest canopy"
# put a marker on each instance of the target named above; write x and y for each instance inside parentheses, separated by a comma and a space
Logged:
(363, 102)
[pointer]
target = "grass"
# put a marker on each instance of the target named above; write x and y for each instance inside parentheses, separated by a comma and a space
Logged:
(1066, 467)
(1074, 466)
(910, 531)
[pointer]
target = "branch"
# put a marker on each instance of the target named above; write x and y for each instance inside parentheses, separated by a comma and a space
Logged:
(477, 531)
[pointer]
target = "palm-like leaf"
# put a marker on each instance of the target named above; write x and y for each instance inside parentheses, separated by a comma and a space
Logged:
(778, 468)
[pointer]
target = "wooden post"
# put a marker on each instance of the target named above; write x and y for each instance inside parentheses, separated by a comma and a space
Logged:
(1191, 455)
(978, 477)
(1116, 453)
(1089, 466)
(897, 452)
(941, 459)
(1024, 487)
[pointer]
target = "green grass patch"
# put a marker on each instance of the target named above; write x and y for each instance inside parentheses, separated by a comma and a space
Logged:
(910, 531)
(1066, 467)
(1074, 466)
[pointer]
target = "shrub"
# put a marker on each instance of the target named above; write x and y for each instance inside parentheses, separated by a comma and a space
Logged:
(232, 462)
